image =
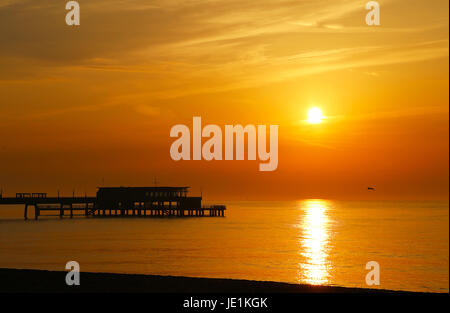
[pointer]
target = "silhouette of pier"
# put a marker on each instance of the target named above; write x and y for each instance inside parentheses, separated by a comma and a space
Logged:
(118, 202)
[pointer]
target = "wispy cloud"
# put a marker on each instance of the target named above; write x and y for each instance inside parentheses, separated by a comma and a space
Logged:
(166, 49)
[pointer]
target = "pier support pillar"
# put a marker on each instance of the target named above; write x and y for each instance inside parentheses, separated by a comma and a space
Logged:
(25, 214)
(36, 212)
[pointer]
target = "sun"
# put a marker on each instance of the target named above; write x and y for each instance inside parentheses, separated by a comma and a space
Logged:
(315, 116)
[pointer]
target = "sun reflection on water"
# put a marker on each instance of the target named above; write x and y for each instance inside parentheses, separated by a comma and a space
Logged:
(314, 268)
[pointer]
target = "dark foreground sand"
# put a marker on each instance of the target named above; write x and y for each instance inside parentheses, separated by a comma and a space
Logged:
(15, 280)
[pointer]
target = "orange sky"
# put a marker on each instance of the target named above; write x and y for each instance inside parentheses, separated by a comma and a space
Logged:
(78, 104)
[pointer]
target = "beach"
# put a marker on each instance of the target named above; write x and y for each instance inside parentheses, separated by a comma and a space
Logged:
(19, 280)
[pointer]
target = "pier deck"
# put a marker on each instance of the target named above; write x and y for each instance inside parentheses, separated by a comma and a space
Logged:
(118, 202)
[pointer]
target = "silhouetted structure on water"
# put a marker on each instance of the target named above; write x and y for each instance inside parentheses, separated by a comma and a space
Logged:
(119, 202)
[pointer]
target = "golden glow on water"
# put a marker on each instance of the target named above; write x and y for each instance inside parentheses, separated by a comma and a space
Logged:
(314, 238)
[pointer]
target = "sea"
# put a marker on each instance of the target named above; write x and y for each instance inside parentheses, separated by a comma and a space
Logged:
(315, 241)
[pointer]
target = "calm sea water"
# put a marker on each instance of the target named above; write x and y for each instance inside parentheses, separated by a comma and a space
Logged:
(310, 241)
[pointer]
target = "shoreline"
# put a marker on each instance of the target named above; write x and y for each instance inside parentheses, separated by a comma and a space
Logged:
(42, 281)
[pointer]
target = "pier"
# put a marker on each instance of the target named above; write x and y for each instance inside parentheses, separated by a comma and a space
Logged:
(118, 202)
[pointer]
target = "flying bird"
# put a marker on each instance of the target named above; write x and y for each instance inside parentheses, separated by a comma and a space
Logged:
(371, 189)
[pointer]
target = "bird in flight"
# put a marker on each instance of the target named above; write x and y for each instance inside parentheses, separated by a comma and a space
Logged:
(371, 188)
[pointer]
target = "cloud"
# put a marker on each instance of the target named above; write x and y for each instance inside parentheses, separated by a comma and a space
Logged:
(176, 48)
(148, 110)
(117, 29)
